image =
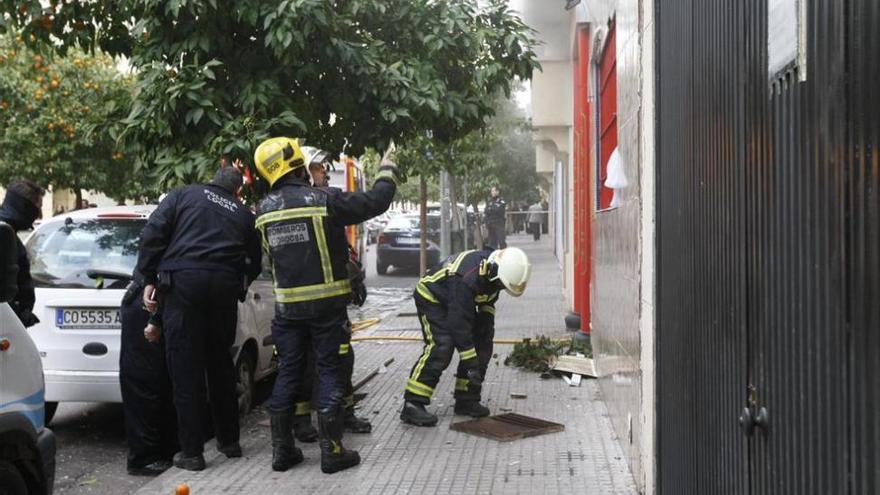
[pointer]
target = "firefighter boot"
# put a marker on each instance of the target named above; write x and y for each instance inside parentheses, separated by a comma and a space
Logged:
(334, 457)
(416, 414)
(303, 429)
(285, 454)
(471, 408)
(354, 424)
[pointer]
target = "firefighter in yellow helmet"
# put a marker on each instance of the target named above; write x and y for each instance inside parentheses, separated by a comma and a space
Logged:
(300, 226)
(456, 307)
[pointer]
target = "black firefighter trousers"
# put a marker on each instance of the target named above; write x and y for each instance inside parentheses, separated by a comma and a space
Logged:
(293, 340)
(307, 397)
(437, 354)
(200, 318)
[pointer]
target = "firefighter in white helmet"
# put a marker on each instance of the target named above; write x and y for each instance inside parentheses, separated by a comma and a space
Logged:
(456, 308)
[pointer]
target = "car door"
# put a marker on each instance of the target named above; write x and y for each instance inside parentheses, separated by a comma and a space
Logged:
(262, 300)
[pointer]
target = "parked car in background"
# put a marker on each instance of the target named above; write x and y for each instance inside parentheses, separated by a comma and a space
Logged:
(81, 263)
(398, 243)
(27, 447)
(375, 225)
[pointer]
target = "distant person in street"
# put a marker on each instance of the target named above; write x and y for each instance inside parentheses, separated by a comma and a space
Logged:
(456, 307)
(150, 418)
(536, 219)
(495, 220)
(518, 220)
(20, 209)
(302, 228)
(200, 251)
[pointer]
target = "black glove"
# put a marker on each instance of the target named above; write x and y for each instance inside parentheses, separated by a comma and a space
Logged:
(473, 371)
(28, 319)
(474, 377)
(358, 288)
(130, 293)
(358, 293)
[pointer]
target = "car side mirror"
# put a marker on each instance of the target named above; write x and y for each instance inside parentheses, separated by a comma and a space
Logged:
(8, 263)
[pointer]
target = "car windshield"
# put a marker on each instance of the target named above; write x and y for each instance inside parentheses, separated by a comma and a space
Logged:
(80, 253)
(412, 223)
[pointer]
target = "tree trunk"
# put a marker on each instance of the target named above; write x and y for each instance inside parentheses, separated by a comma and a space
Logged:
(423, 226)
(455, 223)
(478, 227)
(78, 194)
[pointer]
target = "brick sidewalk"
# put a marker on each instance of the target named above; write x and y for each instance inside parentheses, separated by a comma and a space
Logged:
(398, 458)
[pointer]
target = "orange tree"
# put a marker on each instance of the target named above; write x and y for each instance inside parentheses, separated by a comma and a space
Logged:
(55, 116)
(217, 76)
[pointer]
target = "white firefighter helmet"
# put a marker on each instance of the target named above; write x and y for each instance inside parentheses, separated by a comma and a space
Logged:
(513, 269)
(315, 155)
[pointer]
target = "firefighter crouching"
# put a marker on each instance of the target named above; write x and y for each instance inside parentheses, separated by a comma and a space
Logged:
(456, 308)
(299, 225)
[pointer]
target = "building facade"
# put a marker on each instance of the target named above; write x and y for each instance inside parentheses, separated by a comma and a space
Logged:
(713, 170)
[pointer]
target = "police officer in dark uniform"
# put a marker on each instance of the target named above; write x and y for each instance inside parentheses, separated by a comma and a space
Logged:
(150, 419)
(20, 209)
(301, 228)
(456, 307)
(495, 220)
(201, 240)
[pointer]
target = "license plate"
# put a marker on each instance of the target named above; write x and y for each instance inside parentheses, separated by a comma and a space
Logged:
(87, 318)
(406, 240)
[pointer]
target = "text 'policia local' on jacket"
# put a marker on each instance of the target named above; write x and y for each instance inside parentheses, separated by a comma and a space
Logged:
(301, 229)
(465, 291)
(200, 227)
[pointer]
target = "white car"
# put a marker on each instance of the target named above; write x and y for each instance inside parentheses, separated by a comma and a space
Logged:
(81, 263)
(27, 447)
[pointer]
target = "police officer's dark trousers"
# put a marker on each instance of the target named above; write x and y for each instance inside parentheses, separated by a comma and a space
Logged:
(150, 419)
(496, 235)
(200, 318)
(436, 355)
(293, 337)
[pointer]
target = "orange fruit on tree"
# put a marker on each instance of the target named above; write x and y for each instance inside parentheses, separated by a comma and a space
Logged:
(54, 84)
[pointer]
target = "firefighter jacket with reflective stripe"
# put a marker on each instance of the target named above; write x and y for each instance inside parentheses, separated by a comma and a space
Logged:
(460, 284)
(302, 230)
(200, 227)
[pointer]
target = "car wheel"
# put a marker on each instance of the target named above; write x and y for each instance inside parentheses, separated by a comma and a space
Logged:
(381, 268)
(244, 373)
(49, 409)
(13, 481)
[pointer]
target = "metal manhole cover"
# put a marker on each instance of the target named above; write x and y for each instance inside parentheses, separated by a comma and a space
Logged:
(507, 427)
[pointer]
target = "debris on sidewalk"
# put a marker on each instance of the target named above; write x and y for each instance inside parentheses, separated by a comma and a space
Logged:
(517, 395)
(572, 381)
(535, 354)
(577, 365)
(361, 325)
(507, 427)
(381, 369)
